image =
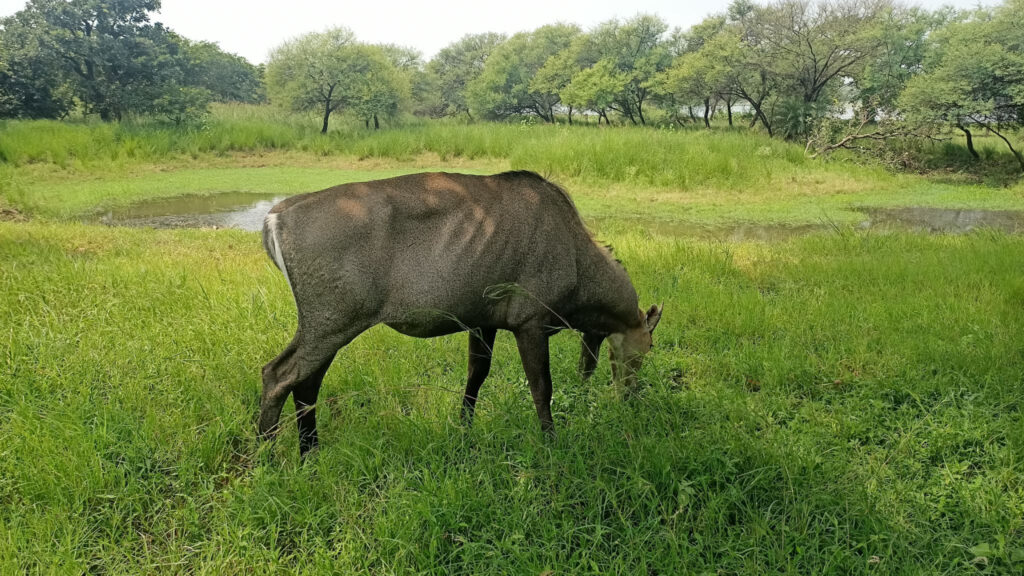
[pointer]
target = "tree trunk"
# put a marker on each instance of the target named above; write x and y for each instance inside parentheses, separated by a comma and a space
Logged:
(327, 109)
(1016, 153)
(693, 117)
(570, 115)
(626, 111)
(970, 141)
(728, 109)
(376, 123)
(468, 115)
(327, 116)
(759, 115)
(104, 108)
(767, 124)
(707, 110)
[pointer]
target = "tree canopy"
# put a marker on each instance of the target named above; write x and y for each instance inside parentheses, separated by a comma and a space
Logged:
(330, 71)
(792, 68)
(107, 58)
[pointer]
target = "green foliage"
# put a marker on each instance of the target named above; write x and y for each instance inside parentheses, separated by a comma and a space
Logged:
(662, 158)
(107, 57)
(557, 72)
(381, 89)
(638, 49)
(327, 71)
(115, 59)
(688, 82)
(975, 77)
(594, 88)
(734, 70)
(905, 34)
(183, 105)
(228, 77)
(459, 64)
(305, 73)
(505, 88)
(796, 68)
(31, 83)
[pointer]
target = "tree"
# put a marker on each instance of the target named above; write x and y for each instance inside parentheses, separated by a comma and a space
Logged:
(689, 80)
(504, 87)
(421, 85)
(809, 48)
(905, 37)
(554, 76)
(314, 72)
(378, 88)
(109, 57)
(32, 83)
(425, 92)
(640, 53)
(117, 61)
(459, 64)
(737, 71)
(182, 105)
(595, 88)
(227, 77)
(975, 77)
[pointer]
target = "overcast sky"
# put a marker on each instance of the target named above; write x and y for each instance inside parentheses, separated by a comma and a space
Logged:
(252, 29)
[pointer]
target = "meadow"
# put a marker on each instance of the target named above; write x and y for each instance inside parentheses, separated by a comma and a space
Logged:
(843, 402)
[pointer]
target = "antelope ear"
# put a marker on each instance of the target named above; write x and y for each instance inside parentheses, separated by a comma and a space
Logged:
(653, 317)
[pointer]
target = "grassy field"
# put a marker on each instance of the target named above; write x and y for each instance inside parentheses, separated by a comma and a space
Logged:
(841, 403)
(55, 169)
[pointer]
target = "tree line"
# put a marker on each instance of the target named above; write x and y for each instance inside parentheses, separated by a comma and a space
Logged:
(105, 57)
(832, 73)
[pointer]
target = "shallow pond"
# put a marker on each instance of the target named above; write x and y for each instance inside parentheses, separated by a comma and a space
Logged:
(945, 220)
(241, 210)
(245, 211)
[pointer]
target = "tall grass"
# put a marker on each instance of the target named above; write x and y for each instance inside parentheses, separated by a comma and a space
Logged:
(678, 158)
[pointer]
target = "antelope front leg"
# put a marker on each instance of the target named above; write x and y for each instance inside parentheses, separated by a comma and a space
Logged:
(533, 350)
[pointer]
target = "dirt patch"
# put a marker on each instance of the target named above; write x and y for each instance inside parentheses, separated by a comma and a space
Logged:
(11, 215)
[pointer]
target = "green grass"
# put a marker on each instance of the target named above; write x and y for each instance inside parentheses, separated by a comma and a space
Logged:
(71, 197)
(50, 191)
(66, 169)
(809, 405)
(841, 403)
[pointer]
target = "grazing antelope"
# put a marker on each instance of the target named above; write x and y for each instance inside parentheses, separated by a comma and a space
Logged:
(433, 254)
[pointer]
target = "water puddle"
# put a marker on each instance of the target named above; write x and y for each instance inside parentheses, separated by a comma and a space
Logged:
(735, 232)
(241, 210)
(914, 218)
(245, 211)
(944, 220)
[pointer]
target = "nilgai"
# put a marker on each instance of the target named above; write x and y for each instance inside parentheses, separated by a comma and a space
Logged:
(433, 254)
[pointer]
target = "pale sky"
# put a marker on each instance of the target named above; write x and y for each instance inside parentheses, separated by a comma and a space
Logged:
(252, 28)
